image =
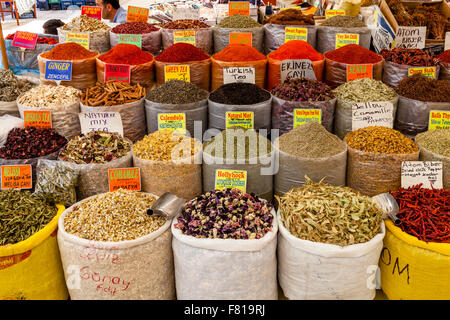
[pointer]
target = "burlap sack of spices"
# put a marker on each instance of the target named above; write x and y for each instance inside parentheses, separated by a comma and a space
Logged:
(222, 37)
(444, 73)
(142, 74)
(336, 72)
(151, 42)
(326, 37)
(98, 40)
(393, 73)
(203, 38)
(199, 72)
(275, 35)
(225, 269)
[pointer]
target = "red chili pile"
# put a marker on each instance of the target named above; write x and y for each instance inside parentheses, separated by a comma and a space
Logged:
(425, 213)
(182, 52)
(134, 28)
(353, 54)
(46, 40)
(410, 57)
(125, 53)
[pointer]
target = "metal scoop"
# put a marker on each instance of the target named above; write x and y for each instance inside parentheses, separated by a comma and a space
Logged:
(389, 205)
(168, 206)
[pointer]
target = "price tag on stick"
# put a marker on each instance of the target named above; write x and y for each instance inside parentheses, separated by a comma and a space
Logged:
(25, 40)
(429, 72)
(333, 13)
(244, 119)
(302, 116)
(16, 177)
(241, 38)
(101, 121)
(343, 39)
(410, 37)
(429, 173)
(172, 121)
(184, 36)
(82, 38)
(359, 71)
(295, 33)
(125, 178)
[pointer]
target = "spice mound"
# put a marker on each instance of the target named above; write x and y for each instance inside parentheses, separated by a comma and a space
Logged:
(239, 94)
(344, 22)
(422, 88)
(85, 24)
(166, 145)
(31, 142)
(177, 92)
(125, 53)
(323, 213)
(410, 57)
(353, 54)
(185, 24)
(311, 140)
(68, 51)
(239, 52)
(444, 56)
(95, 147)
(296, 49)
(424, 213)
(182, 52)
(292, 17)
(22, 214)
(113, 216)
(11, 86)
(238, 143)
(436, 141)
(303, 90)
(365, 90)
(112, 93)
(227, 214)
(379, 139)
(238, 21)
(49, 96)
(134, 28)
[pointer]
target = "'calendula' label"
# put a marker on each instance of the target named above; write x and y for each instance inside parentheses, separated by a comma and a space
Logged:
(302, 116)
(242, 119)
(439, 120)
(172, 121)
(233, 179)
(177, 72)
(294, 33)
(125, 178)
(16, 177)
(37, 119)
(343, 39)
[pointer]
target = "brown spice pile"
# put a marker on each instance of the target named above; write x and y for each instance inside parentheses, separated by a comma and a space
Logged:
(422, 88)
(291, 17)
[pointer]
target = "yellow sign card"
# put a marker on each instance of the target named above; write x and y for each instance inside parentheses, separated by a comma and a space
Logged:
(439, 120)
(302, 116)
(242, 119)
(233, 179)
(429, 72)
(81, 38)
(332, 13)
(184, 36)
(172, 121)
(294, 33)
(343, 39)
(177, 72)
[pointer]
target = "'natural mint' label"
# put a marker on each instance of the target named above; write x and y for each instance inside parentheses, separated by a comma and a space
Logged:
(296, 68)
(172, 121)
(366, 114)
(244, 119)
(428, 173)
(302, 116)
(439, 120)
(101, 121)
(239, 74)
(233, 179)
(58, 70)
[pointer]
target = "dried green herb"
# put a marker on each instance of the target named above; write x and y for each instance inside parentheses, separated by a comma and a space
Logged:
(177, 92)
(437, 141)
(344, 22)
(238, 21)
(365, 90)
(11, 86)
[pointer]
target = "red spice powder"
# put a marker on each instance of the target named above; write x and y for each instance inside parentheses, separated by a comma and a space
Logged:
(296, 49)
(125, 53)
(444, 56)
(239, 52)
(68, 51)
(353, 54)
(182, 52)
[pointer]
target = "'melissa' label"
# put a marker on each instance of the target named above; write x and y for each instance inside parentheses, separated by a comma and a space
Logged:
(295, 33)
(366, 114)
(16, 177)
(37, 119)
(117, 72)
(359, 71)
(439, 120)
(238, 74)
(302, 116)
(101, 121)
(172, 121)
(297, 68)
(244, 119)
(125, 178)
(233, 179)
(58, 70)
(177, 72)
(429, 72)
(343, 39)
(429, 173)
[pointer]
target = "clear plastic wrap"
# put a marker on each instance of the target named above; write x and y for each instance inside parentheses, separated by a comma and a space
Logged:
(182, 179)
(292, 170)
(84, 73)
(222, 37)
(427, 155)
(413, 115)
(274, 72)
(7, 123)
(326, 37)
(9, 107)
(283, 112)
(261, 114)
(195, 111)
(274, 35)
(140, 269)
(375, 173)
(150, 41)
(225, 269)
(142, 74)
(218, 66)
(336, 72)
(343, 116)
(258, 182)
(203, 38)
(393, 72)
(199, 72)
(319, 271)
(98, 40)
(65, 118)
(132, 115)
(444, 73)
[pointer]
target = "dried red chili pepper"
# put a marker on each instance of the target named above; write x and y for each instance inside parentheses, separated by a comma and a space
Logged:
(410, 57)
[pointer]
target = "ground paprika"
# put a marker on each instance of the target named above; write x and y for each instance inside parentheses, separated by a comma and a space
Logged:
(239, 52)
(182, 52)
(68, 51)
(296, 49)
(125, 53)
(353, 54)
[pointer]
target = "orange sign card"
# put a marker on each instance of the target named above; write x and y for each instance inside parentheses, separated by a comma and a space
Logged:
(16, 177)
(358, 71)
(137, 14)
(241, 38)
(125, 178)
(238, 7)
(38, 119)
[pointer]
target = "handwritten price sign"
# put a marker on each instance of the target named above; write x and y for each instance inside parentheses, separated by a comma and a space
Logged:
(137, 14)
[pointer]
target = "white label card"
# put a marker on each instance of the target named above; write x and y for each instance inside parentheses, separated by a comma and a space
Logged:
(447, 41)
(239, 74)
(410, 37)
(429, 173)
(365, 114)
(186, 13)
(297, 68)
(101, 121)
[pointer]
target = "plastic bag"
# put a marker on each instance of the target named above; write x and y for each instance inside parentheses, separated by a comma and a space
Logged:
(225, 269)
(412, 269)
(140, 73)
(182, 179)
(274, 35)
(375, 173)
(343, 116)
(98, 40)
(222, 37)
(336, 72)
(199, 72)
(444, 73)
(261, 114)
(10, 108)
(56, 181)
(150, 41)
(84, 73)
(140, 269)
(7, 123)
(326, 37)
(393, 73)
(218, 66)
(274, 72)
(31, 269)
(203, 38)
(427, 155)
(320, 271)
(195, 111)
(65, 118)
(257, 181)
(292, 170)
(132, 115)
(413, 115)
